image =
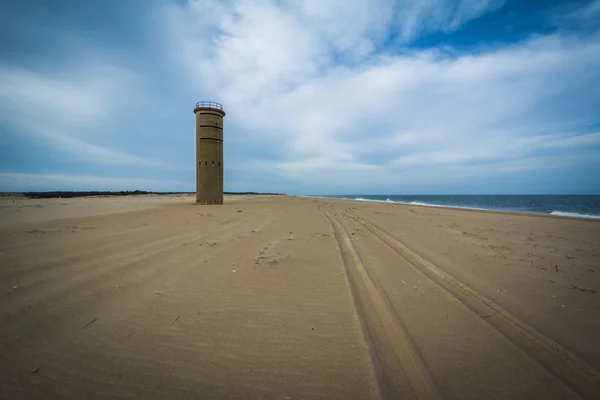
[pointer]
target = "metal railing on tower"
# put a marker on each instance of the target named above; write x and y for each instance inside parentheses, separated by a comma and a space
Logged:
(209, 104)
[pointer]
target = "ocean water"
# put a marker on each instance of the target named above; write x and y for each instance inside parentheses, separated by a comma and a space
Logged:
(576, 206)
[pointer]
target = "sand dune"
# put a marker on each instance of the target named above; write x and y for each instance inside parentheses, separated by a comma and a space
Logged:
(271, 297)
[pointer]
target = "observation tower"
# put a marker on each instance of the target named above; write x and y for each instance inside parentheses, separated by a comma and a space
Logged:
(209, 152)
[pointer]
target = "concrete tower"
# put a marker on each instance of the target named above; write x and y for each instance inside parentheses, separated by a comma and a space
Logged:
(209, 152)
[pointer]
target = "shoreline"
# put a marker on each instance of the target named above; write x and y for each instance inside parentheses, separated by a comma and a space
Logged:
(468, 209)
(163, 199)
(20, 196)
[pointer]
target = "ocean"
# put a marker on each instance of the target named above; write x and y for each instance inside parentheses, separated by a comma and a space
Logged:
(576, 206)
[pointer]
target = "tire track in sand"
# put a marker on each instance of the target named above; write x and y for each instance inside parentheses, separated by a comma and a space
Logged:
(399, 368)
(573, 372)
(89, 278)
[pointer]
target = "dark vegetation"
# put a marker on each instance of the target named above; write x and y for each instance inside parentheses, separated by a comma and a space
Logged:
(66, 194)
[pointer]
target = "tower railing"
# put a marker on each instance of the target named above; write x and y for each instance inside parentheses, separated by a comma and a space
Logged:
(209, 104)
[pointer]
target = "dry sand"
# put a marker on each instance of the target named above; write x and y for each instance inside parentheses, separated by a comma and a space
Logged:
(272, 297)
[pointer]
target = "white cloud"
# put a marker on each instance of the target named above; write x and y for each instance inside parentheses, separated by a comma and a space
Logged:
(262, 47)
(415, 17)
(495, 149)
(587, 15)
(71, 111)
(306, 78)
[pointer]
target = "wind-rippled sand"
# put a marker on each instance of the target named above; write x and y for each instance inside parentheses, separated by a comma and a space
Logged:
(274, 297)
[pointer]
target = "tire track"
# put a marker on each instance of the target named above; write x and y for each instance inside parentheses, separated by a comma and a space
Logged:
(399, 369)
(98, 288)
(97, 247)
(142, 220)
(91, 251)
(68, 267)
(573, 372)
(88, 277)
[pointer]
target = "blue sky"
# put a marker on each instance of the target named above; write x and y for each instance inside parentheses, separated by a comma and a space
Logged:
(322, 97)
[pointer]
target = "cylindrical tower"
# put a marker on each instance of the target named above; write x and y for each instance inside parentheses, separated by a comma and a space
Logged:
(209, 152)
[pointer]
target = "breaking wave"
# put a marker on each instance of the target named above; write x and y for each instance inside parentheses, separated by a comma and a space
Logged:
(415, 203)
(574, 215)
(376, 201)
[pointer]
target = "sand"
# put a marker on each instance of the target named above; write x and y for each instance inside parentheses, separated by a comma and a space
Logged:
(275, 297)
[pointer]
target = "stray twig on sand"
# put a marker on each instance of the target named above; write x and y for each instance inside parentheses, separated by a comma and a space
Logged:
(89, 323)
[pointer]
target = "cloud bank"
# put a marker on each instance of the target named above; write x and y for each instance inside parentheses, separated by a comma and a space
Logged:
(344, 104)
(342, 97)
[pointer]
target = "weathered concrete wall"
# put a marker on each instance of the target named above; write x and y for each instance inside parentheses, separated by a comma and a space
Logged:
(209, 155)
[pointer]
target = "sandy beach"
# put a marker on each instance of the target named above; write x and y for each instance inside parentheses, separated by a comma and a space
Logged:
(277, 297)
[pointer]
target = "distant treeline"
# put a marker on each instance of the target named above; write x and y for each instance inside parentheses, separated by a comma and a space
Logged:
(49, 195)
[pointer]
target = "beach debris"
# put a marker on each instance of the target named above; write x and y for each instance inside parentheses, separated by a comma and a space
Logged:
(239, 210)
(556, 267)
(175, 320)
(14, 287)
(235, 270)
(35, 371)
(89, 323)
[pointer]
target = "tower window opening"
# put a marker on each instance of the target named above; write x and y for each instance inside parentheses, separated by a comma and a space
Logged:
(205, 162)
(219, 163)
(213, 164)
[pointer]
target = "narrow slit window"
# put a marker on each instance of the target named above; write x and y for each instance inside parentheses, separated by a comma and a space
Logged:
(213, 164)
(205, 162)
(219, 163)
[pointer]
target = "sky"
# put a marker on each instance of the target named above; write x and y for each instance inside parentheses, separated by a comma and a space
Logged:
(322, 97)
